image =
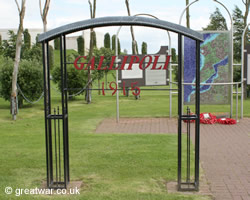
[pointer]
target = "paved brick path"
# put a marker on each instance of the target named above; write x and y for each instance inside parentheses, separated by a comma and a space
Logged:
(224, 151)
(138, 125)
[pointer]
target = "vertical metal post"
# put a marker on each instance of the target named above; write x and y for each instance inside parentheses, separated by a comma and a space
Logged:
(242, 69)
(116, 60)
(49, 113)
(170, 91)
(242, 84)
(45, 112)
(63, 110)
(232, 71)
(182, 79)
(237, 86)
(55, 148)
(59, 145)
(197, 110)
(65, 116)
(188, 148)
(170, 76)
(179, 106)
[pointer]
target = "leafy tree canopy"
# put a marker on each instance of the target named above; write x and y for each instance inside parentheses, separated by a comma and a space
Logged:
(107, 41)
(217, 21)
(238, 23)
(144, 48)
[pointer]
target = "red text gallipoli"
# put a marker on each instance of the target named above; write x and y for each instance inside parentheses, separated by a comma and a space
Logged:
(152, 59)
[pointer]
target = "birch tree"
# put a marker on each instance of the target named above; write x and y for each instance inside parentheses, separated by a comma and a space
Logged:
(14, 104)
(91, 47)
(134, 49)
(187, 15)
(134, 43)
(246, 3)
(44, 13)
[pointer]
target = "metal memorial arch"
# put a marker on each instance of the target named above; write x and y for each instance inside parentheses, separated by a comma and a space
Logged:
(56, 120)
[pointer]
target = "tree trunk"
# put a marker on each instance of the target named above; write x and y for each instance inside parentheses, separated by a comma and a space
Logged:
(187, 15)
(245, 18)
(15, 73)
(46, 63)
(131, 30)
(44, 14)
(88, 97)
(246, 12)
(91, 47)
(99, 87)
(14, 102)
(106, 79)
(132, 34)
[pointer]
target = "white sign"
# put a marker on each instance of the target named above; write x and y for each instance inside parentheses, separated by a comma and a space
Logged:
(135, 72)
(156, 77)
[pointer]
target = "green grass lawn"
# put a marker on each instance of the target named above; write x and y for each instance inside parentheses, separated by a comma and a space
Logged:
(111, 166)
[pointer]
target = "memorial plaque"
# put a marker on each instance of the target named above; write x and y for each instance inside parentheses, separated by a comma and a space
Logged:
(153, 75)
(134, 73)
(156, 77)
(215, 59)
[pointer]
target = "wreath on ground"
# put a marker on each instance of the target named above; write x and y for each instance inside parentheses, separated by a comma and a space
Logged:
(208, 118)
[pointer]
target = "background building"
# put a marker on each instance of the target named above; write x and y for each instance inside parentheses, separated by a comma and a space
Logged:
(71, 40)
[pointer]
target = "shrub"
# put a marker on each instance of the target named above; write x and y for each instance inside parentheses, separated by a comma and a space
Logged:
(51, 57)
(8, 47)
(75, 78)
(144, 48)
(35, 53)
(27, 39)
(30, 79)
(107, 41)
(6, 68)
(57, 43)
(114, 45)
(80, 45)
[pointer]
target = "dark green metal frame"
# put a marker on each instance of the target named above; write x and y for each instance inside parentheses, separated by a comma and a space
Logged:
(54, 121)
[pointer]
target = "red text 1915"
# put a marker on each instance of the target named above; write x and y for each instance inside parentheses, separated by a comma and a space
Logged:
(113, 86)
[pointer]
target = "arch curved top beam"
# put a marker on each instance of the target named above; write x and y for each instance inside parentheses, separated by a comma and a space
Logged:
(119, 21)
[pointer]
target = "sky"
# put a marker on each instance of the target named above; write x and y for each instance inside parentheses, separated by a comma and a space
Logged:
(63, 12)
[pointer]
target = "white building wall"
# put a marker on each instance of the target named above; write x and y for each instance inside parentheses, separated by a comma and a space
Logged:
(71, 40)
(99, 39)
(33, 33)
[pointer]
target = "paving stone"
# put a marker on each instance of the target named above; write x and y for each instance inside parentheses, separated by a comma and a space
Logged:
(224, 150)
